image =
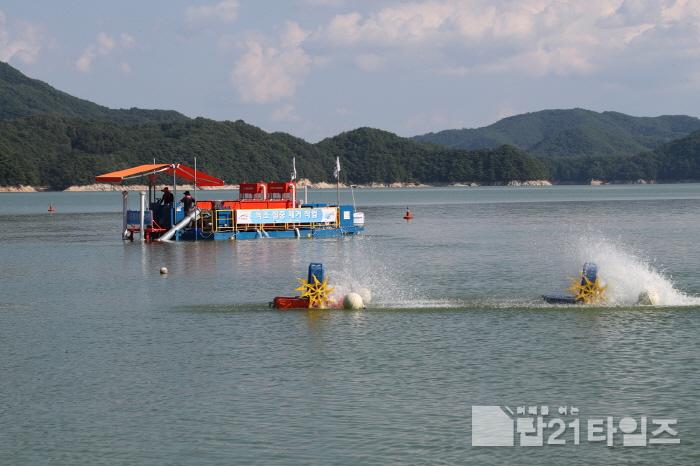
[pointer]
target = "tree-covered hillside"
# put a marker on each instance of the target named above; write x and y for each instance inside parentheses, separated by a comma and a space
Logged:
(573, 133)
(49, 138)
(677, 160)
(375, 155)
(21, 96)
(59, 152)
(680, 160)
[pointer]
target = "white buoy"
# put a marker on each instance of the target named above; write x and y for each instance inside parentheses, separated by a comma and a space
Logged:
(648, 298)
(365, 294)
(353, 301)
(163, 270)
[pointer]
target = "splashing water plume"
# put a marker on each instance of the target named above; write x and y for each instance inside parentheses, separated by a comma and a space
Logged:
(384, 288)
(627, 275)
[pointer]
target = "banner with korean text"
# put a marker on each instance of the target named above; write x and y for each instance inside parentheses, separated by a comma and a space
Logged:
(326, 215)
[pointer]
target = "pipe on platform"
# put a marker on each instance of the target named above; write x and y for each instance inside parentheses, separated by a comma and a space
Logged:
(142, 213)
(194, 215)
(125, 208)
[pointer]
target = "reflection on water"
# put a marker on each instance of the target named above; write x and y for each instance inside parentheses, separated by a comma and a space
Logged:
(106, 361)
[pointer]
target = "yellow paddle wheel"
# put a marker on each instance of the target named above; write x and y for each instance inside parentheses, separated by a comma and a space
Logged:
(318, 292)
(588, 291)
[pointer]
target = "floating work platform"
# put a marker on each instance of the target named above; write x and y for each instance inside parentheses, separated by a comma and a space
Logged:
(262, 210)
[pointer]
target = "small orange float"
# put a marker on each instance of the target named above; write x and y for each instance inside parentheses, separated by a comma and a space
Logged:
(408, 215)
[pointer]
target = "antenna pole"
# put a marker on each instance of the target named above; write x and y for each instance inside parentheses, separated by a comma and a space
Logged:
(173, 209)
(195, 197)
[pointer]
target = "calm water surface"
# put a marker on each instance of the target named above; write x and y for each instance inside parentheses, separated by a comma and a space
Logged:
(104, 361)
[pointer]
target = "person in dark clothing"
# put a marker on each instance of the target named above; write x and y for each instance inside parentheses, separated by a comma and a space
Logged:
(167, 198)
(187, 202)
(162, 209)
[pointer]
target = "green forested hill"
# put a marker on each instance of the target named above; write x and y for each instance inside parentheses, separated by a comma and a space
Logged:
(677, 160)
(60, 151)
(50, 138)
(574, 133)
(375, 155)
(21, 96)
(680, 159)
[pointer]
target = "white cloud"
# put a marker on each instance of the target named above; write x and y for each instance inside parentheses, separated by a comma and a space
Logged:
(292, 35)
(269, 73)
(285, 113)
(539, 37)
(19, 40)
(84, 62)
(225, 11)
(103, 46)
(560, 61)
(398, 25)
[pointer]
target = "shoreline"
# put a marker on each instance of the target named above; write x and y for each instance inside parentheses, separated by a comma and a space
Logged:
(105, 187)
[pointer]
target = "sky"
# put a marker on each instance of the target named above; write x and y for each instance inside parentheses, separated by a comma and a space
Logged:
(315, 68)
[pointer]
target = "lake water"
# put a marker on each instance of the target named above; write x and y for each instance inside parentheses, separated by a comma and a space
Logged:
(105, 361)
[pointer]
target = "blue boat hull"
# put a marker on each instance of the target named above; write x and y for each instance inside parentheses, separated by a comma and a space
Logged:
(560, 299)
(192, 234)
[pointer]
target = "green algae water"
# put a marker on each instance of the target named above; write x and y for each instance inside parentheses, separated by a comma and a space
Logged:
(105, 361)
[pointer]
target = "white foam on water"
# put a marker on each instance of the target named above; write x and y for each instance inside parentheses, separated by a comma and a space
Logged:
(627, 274)
(386, 290)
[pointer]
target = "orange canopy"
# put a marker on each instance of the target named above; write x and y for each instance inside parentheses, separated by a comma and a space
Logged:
(180, 170)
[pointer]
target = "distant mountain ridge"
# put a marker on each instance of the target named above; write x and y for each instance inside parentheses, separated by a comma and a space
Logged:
(571, 133)
(50, 138)
(21, 96)
(55, 151)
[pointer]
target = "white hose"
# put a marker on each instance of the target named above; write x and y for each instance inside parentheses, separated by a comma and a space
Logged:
(194, 215)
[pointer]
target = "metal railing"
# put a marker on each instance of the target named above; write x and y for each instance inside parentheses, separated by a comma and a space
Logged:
(224, 220)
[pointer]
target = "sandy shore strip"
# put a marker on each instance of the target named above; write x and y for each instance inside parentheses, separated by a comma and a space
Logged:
(141, 187)
(101, 187)
(22, 189)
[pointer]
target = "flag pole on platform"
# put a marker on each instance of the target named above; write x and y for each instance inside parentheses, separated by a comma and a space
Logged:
(336, 173)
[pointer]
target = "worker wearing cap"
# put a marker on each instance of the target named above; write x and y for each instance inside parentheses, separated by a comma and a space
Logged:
(167, 198)
(187, 202)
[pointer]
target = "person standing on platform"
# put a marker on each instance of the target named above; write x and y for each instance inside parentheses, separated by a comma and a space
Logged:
(187, 202)
(167, 198)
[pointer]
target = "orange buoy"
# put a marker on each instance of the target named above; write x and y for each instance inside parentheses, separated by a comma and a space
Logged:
(408, 215)
(52, 209)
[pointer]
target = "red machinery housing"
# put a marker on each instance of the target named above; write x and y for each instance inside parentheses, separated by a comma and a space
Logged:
(290, 302)
(260, 195)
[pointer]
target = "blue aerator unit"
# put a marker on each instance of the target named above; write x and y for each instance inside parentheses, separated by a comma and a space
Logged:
(317, 270)
(590, 273)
